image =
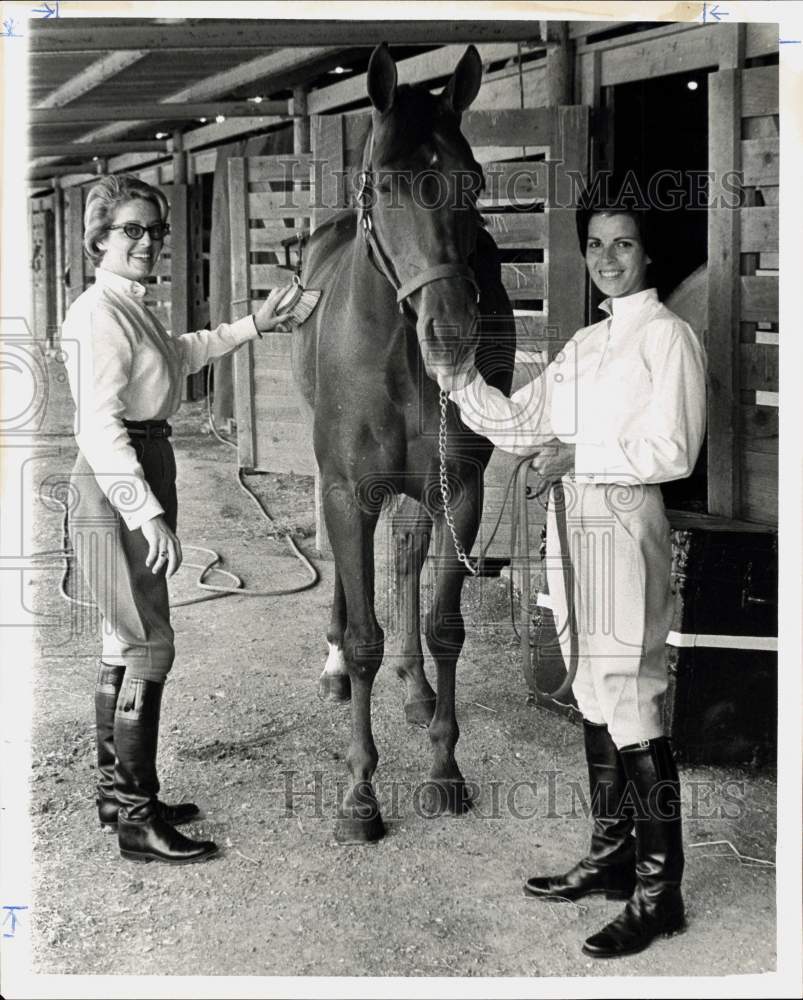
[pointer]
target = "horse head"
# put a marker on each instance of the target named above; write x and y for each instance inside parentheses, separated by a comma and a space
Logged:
(418, 205)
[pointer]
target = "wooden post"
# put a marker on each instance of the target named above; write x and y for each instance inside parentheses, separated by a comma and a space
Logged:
(558, 65)
(179, 160)
(724, 265)
(301, 126)
(58, 220)
(75, 251)
(244, 406)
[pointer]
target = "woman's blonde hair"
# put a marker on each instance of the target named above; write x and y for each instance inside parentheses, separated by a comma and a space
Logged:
(102, 202)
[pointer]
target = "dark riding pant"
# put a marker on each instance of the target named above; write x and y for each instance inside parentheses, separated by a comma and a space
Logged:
(133, 602)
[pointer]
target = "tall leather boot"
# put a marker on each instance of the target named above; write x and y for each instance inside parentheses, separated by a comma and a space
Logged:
(107, 690)
(143, 834)
(656, 906)
(610, 864)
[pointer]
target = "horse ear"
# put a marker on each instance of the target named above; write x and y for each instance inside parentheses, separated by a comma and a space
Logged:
(382, 79)
(464, 85)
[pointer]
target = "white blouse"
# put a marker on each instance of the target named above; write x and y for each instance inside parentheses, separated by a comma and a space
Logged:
(628, 392)
(129, 367)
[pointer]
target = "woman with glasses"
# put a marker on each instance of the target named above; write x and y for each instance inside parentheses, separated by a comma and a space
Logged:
(123, 500)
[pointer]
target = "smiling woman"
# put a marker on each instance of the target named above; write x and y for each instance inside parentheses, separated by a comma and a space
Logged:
(124, 509)
(620, 410)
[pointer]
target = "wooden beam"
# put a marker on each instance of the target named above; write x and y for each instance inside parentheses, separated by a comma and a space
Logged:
(90, 77)
(559, 65)
(61, 170)
(96, 149)
(194, 35)
(272, 70)
(724, 289)
(160, 111)
(58, 218)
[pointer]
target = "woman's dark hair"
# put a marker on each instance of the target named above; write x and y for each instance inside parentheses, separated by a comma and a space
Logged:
(102, 202)
(600, 201)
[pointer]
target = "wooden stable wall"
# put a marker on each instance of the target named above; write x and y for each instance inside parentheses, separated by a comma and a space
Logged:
(743, 296)
(269, 201)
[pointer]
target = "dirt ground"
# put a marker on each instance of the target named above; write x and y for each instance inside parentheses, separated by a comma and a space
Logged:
(244, 735)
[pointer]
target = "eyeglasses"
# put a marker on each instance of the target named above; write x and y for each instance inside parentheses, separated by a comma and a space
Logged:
(135, 231)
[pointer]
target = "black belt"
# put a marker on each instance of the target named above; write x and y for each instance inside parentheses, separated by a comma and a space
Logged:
(148, 428)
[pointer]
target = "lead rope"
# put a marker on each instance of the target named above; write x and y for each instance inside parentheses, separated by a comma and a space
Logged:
(446, 493)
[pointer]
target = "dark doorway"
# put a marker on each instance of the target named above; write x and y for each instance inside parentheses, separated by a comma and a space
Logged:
(660, 144)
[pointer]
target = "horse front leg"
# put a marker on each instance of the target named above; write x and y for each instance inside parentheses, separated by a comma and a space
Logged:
(351, 532)
(334, 683)
(412, 527)
(446, 790)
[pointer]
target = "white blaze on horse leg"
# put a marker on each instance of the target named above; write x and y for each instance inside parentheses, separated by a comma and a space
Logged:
(336, 661)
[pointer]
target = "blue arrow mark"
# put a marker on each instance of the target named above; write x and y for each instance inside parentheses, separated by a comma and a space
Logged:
(789, 41)
(718, 14)
(47, 11)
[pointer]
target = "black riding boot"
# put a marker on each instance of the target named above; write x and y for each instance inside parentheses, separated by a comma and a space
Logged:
(610, 864)
(107, 689)
(656, 906)
(142, 831)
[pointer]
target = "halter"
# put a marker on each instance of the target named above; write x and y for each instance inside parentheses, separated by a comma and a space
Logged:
(376, 252)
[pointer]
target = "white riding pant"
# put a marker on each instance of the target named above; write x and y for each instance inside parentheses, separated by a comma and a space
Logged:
(609, 560)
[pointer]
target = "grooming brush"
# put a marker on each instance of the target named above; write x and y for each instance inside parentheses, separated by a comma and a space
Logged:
(298, 301)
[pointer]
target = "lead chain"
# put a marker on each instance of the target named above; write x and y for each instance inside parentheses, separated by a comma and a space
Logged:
(446, 493)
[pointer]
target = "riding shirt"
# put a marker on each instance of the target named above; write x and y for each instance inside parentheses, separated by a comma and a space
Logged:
(131, 368)
(628, 392)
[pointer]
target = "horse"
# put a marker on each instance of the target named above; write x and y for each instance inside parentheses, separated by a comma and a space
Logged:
(411, 285)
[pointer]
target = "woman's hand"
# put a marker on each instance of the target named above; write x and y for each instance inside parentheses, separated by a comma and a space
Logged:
(265, 317)
(554, 459)
(164, 548)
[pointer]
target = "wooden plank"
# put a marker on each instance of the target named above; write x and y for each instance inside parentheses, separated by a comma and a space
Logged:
(761, 39)
(515, 182)
(269, 276)
(240, 293)
(761, 127)
(760, 161)
(513, 127)
(269, 238)
(523, 230)
(289, 167)
(74, 209)
(760, 91)
(758, 367)
(199, 37)
(328, 146)
(758, 427)
(671, 52)
(567, 272)
(724, 123)
(759, 299)
(760, 487)
(91, 77)
(157, 111)
(525, 281)
(759, 230)
(279, 204)
(179, 259)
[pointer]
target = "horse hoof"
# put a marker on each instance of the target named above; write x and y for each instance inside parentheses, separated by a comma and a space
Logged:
(450, 797)
(355, 830)
(419, 713)
(334, 687)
